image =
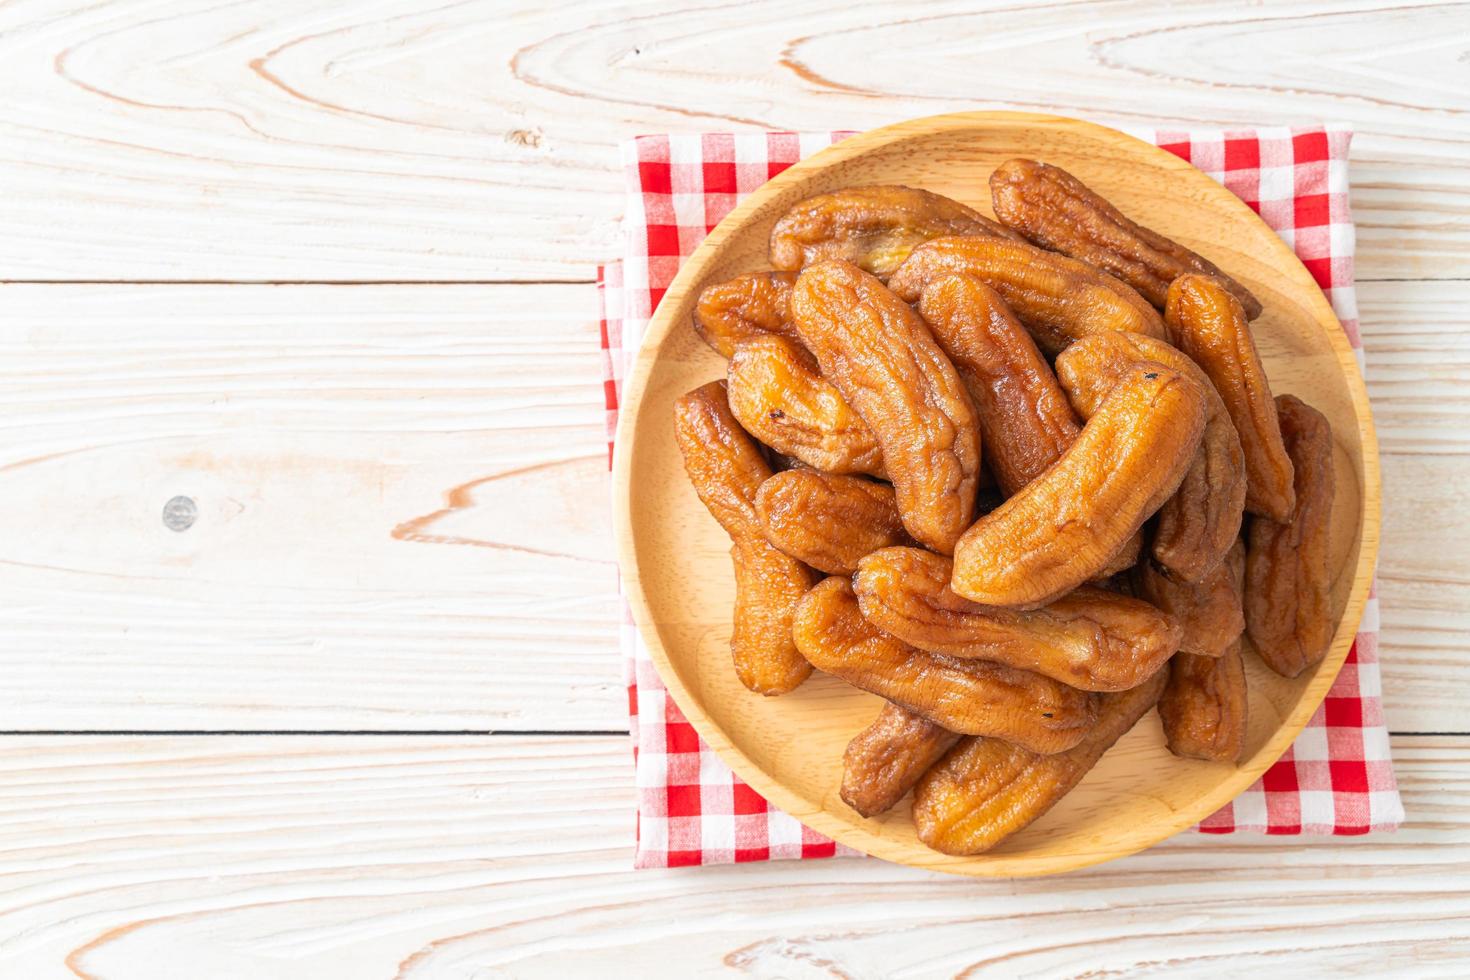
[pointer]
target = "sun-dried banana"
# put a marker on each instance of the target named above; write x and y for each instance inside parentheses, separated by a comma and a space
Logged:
(881, 356)
(829, 522)
(781, 398)
(1055, 210)
(874, 228)
(753, 305)
(1197, 525)
(1056, 298)
(1025, 421)
(1288, 581)
(1204, 706)
(727, 470)
(886, 759)
(1209, 325)
(1209, 612)
(1063, 528)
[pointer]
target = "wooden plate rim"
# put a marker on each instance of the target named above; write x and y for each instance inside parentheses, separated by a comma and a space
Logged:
(691, 275)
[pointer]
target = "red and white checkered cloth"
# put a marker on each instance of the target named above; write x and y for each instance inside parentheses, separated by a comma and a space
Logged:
(1336, 779)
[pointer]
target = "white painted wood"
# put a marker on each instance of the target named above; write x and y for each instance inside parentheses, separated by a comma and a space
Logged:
(275, 139)
(328, 583)
(1416, 337)
(402, 509)
(289, 857)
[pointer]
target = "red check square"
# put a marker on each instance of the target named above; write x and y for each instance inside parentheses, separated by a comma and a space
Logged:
(1312, 210)
(1242, 154)
(684, 801)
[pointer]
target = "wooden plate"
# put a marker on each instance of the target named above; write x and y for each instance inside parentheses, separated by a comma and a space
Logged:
(675, 561)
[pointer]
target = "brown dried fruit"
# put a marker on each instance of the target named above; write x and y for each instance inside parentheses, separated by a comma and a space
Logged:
(973, 697)
(727, 469)
(780, 398)
(1209, 611)
(723, 462)
(1123, 559)
(1207, 323)
(1058, 299)
(883, 359)
(985, 790)
(829, 522)
(1064, 527)
(1204, 706)
(886, 759)
(1197, 525)
(768, 585)
(749, 306)
(1055, 210)
(874, 228)
(1288, 597)
(1090, 638)
(1025, 421)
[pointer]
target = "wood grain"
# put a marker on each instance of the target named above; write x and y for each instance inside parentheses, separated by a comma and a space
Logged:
(415, 858)
(399, 140)
(1423, 586)
(401, 494)
(671, 555)
(1416, 339)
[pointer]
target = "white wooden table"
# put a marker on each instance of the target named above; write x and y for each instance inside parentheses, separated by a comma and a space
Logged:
(324, 269)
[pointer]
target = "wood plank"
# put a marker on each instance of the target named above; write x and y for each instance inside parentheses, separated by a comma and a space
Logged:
(402, 508)
(424, 857)
(1416, 341)
(334, 439)
(274, 140)
(1416, 337)
(1423, 575)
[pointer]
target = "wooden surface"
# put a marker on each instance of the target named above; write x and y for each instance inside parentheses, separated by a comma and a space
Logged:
(297, 858)
(457, 162)
(674, 558)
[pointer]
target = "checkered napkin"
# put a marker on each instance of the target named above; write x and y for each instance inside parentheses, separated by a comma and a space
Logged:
(1335, 779)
